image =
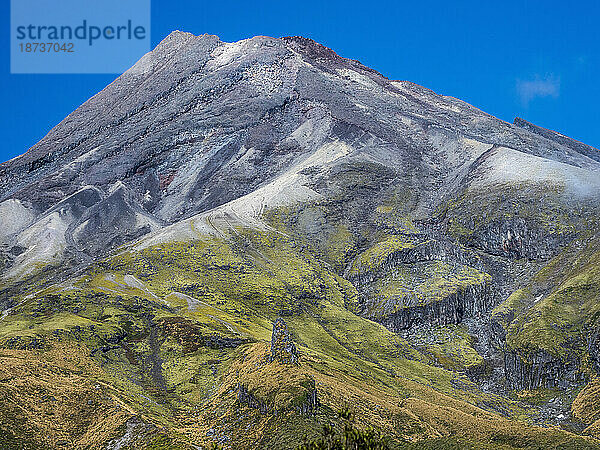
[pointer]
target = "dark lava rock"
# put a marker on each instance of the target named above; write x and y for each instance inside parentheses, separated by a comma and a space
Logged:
(540, 369)
(283, 348)
(245, 398)
(24, 343)
(304, 404)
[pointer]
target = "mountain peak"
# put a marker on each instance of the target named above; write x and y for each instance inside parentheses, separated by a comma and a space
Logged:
(311, 47)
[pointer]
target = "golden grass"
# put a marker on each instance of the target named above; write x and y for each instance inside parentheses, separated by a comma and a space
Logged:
(58, 398)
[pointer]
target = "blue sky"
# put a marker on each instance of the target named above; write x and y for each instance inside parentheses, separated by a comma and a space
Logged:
(538, 60)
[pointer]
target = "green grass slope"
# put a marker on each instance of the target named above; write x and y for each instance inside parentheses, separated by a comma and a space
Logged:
(173, 331)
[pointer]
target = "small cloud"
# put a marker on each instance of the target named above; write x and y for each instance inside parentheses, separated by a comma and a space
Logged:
(539, 87)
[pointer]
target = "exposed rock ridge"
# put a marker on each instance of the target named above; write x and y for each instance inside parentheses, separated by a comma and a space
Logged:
(307, 406)
(561, 139)
(202, 140)
(540, 370)
(471, 301)
(428, 250)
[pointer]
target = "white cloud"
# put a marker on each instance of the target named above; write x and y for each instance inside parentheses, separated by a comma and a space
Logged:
(528, 90)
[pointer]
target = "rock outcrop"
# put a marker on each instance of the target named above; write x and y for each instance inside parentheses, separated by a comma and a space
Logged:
(306, 403)
(276, 382)
(283, 348)
(540, 370)
(472, 301)
(517, 238)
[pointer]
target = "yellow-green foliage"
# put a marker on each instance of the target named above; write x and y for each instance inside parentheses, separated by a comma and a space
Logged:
(167, 298)
(394, 211)
(281, 278)
(425, 282)
(339, 245)
(57, 398)
(248, 275)
(515, 301)
(537, 204)
(402, 409)
(453, 348)
(278, 385)
(238, 284)
(308, 226)
(377, 255)
(539, 396)
(586, 407)
(20, 326)
(554, 321)
(322, 227)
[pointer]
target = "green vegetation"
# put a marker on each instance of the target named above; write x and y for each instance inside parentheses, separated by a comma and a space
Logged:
(423, 283)
(174, 330)
(451, 346)
(375, 257)
(538, 205)
(538, 396)
(586, 407)
(349, 437)
(557, 320)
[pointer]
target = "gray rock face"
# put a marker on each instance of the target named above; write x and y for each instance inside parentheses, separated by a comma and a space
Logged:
(199, 122)
(308, 405)
(580, 147)
(95, 233)
(245, 398)
(515, 238)
(469, 302)
(283, 348)
(540, 370)
(594, 349)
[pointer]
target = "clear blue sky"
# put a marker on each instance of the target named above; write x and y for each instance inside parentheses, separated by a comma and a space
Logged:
(539, 60)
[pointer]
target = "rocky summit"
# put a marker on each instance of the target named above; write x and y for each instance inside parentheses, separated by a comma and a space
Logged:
(438, 268)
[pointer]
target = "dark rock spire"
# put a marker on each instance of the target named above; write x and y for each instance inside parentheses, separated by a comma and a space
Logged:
(283, 348)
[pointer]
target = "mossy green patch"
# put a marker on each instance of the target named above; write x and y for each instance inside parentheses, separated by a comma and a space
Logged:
(170, 323)
(536, 204)
(375, 257)
(422, 283)
(556, 321)
(451, 346)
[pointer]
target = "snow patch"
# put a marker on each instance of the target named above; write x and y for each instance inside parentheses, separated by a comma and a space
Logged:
(508, 166)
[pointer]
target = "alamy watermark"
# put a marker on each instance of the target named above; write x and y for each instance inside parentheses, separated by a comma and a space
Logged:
(78, 36)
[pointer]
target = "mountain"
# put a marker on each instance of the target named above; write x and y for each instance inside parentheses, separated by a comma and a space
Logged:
(234, 241)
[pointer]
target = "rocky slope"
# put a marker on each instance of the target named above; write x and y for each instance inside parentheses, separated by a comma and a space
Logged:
(436, 267)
